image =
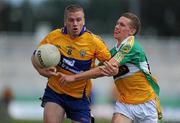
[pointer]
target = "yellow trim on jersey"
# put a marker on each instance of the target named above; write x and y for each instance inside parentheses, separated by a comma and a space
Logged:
(129, 42)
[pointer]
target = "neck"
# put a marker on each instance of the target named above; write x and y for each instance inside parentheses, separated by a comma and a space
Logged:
(73, 36)
(118, 43)
(119, 40)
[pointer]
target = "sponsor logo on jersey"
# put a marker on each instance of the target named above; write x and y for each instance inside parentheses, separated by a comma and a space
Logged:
(74, 65)
(69, 62)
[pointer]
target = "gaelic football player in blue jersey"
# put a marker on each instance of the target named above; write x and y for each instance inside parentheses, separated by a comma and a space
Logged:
(79, 49)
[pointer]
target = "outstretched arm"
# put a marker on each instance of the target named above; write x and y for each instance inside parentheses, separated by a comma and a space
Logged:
(109, 68)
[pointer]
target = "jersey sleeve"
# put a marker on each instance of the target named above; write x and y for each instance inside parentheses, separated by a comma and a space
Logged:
(102, 52)
(125, 53)
(49, 37)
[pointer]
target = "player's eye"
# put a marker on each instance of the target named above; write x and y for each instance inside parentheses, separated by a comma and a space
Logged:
(70, 19)
(79, 19)
(122, 24)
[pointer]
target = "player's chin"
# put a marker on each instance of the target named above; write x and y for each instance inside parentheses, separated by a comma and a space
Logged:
(76, 34)
(75, 31)
(115, 36)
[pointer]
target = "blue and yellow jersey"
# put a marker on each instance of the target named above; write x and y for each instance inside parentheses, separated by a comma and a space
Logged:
(77, 55)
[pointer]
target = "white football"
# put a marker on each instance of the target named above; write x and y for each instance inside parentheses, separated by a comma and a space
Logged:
(47, 55)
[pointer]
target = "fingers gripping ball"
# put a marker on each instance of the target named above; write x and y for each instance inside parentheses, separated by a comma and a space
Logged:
(47, 55)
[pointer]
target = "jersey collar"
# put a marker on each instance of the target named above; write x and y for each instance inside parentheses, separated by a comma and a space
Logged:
(123, 42)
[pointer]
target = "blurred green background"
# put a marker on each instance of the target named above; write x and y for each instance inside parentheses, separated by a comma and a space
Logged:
(159, 17)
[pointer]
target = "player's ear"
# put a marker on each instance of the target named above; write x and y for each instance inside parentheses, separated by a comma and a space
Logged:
(133, 31)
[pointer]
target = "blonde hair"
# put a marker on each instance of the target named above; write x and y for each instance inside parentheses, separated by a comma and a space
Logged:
(72, 8)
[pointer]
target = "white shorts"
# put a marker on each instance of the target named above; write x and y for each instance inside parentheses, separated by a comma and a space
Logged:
(140, 113)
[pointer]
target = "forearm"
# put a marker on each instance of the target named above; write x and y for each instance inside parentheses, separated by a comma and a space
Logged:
(108, 69)
(105, 70)
(93, 73)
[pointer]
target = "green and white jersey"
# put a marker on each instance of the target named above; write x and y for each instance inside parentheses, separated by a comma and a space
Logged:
(130, 54)
(134, 81)
(132, 59)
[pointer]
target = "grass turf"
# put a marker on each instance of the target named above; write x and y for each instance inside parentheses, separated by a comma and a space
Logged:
(65, 121)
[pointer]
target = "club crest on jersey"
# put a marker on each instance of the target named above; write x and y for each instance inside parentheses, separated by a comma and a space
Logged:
(82, 53)
(126, 48)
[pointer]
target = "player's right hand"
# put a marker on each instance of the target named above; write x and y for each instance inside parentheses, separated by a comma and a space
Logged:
(109, 69)
(48, 72)
(65, 79)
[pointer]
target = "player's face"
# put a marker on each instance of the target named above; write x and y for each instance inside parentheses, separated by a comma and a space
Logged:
(74, 22)
(122, 29)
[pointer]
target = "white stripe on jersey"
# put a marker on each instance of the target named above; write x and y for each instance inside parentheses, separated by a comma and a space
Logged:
(144, 66)
(132, 69)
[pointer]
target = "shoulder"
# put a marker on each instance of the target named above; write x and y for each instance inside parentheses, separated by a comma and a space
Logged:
(55, 32)
(95, 37)
(128, 44)
(129, 41)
